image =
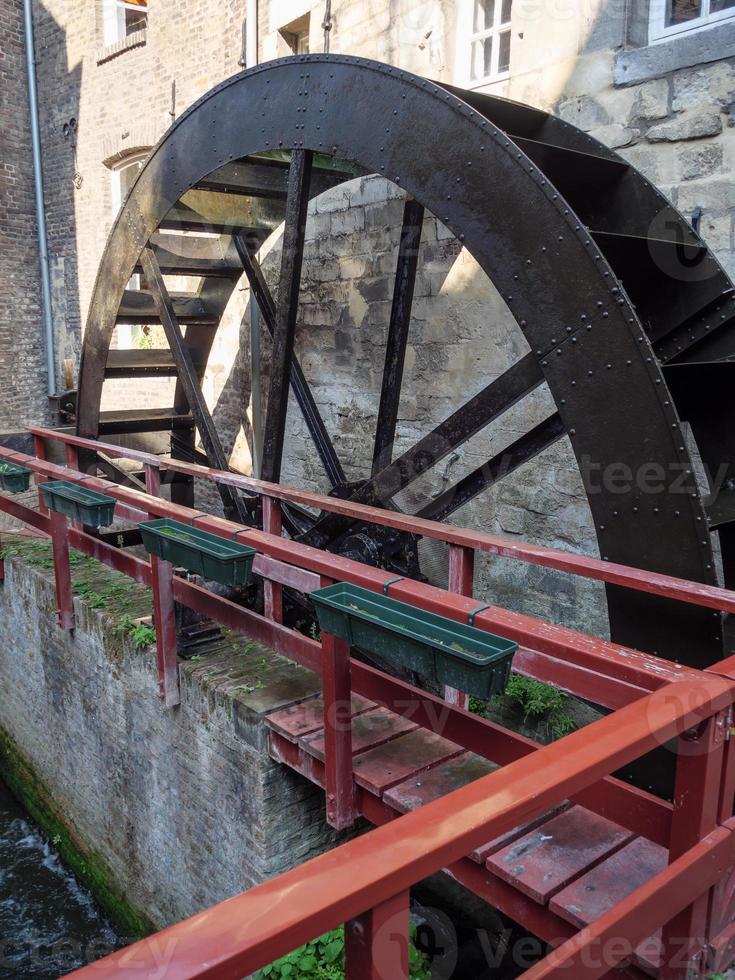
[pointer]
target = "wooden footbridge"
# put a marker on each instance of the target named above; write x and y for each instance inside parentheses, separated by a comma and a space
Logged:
(618, 880)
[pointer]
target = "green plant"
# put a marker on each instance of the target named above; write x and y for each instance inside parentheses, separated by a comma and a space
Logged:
(538, 700)
(477, 706)
(323, 959)
(141, 634)
(196, 659)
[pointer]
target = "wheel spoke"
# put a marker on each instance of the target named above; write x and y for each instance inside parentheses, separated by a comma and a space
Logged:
(302, 391)
(400, 319)
(522, 451)
(288, 300)
(495, 399)
(189, 381)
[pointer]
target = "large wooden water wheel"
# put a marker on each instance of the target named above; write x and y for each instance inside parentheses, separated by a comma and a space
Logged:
(629, 318)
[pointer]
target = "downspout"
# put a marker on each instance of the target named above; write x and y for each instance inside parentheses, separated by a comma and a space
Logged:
(48, 323)
(256, 392)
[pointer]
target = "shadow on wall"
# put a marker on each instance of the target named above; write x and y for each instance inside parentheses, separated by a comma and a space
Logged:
(59, 99)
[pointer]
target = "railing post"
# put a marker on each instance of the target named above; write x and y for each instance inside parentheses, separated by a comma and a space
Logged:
(696, 804)
(461, 580)
(376, 942)
(39, 451)
(272, 591)
(162, 580)
(72, 456)
(62, 570)
(152, 479)
(337, 696)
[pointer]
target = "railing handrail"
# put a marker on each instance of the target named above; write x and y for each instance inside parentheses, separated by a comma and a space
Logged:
(611, 573)
(247, 932)
(608, 659)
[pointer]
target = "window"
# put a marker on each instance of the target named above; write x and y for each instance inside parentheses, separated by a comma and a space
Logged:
(296, 35)
(490, 40)
(123, 176)
(123, 17)
(672, 17)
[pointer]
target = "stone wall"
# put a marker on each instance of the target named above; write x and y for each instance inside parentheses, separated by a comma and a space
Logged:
(22, 359)
(181, 808)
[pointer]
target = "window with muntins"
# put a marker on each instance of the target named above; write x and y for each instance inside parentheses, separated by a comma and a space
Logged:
(490, 40)
(124, 17)
(668, 18)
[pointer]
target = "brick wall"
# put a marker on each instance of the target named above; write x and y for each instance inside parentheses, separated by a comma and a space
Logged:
(22, 359)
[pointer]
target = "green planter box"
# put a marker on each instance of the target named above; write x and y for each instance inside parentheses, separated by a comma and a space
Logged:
(441, 649)
(14, 478)
(198, 551)
(78, 503)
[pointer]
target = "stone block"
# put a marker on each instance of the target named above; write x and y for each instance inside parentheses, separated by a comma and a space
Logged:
(615, 135)
(651, 100)
(705, 85)
(700, 161)
(690, 125)
(584, 112)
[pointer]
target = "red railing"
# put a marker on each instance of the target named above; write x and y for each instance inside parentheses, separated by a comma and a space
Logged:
(654, 701)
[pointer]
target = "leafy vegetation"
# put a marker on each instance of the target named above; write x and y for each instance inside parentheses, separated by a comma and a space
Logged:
(535, 700)
(538, 700)
(324, 958)
(141, 634)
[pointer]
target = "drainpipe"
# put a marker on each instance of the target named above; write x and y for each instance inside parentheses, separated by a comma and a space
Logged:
(256, 392)
(48, 323)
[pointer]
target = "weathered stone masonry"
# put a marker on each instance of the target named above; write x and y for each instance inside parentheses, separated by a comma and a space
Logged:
(182, 808)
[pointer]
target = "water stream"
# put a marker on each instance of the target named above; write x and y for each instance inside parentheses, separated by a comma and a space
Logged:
(49, 924)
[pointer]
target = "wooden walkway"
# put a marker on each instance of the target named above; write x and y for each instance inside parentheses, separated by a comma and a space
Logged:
(560, 871)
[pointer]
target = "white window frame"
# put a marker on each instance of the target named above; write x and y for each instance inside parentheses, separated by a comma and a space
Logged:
(467, 37)
(114, 19)
(658, 31)
(131, 160)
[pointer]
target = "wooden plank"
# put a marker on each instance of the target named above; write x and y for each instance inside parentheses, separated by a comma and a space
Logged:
(292, 254)
(481, 854)
(587, 898)
(560, 850)
(369, 730)
(443, 779)
(302, 719)
(387, 765)
(590, 896)
(400, 321)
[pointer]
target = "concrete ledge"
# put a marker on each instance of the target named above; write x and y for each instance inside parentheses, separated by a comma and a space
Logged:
(685, 51)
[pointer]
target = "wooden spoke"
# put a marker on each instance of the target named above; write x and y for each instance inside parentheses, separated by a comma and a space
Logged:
(302, 392)
(234, 506)
(522, 451)
(495, 399)
(288, 298)
(400, 318)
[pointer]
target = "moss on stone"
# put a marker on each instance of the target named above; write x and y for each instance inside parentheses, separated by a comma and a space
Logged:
(88, 866)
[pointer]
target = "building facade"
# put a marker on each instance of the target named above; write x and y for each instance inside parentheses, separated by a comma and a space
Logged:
(653, 79)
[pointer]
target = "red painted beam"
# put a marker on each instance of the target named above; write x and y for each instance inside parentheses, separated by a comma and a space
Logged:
(632, 808)
(247, 932)
(610, 572)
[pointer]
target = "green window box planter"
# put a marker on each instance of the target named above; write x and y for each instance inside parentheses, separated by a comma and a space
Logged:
(438, 648)
(78, 503)
(14, 478)
(208, 555)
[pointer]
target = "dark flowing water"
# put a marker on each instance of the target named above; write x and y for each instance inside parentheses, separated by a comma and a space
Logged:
(49, 924)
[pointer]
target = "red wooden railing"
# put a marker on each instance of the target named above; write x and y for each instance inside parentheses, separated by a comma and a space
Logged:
(653, 701)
